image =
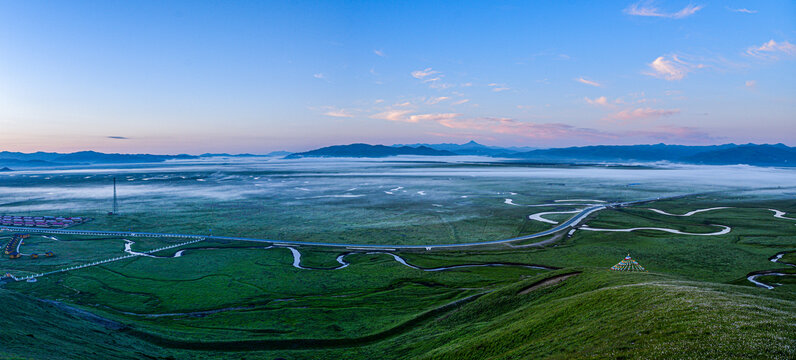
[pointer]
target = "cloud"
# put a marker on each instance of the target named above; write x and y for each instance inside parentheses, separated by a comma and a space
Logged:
(743, 10)
(646, 8)
(600, 101)
(379, 53)
(392, 115)
(459, 102)
(772, 50)
(428, 76)
(483, 127)
(672, 68)
(422, 74)
(751, 84)
(498, 87)
(436, 84)
(319, 76)
(118, 137)
(687, 11)
(339, 113)
(508, 126)
(643, 113)
(433, 117)
(588, 82)
(437, 100)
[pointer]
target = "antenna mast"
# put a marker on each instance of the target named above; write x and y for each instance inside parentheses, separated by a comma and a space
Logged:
(115, 203)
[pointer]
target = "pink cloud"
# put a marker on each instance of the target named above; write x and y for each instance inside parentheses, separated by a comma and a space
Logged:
(459, 102)
(340, 113)
(588, 82)
(672, 68)
(600, 101)
(643, 113)
(392, 115)
(432, 117)
(508, 126)
(436, 100)
(421, 74)
(772, 50)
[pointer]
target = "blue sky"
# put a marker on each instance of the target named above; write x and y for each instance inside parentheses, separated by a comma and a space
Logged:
(259, 76)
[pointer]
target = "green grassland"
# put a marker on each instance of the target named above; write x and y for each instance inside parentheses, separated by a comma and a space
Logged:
(231, 299)
(597, 314)
(385, 203)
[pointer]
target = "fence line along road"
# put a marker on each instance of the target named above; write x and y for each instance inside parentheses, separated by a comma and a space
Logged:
(100, 262)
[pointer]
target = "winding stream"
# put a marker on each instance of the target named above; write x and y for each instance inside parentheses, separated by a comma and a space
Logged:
(781, 214)
(539, 216)
(690, 212)
(343, 264)
(777, 259)
(725, 230)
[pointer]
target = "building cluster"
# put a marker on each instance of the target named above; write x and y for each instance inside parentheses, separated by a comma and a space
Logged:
(12, 247)
(41, 221)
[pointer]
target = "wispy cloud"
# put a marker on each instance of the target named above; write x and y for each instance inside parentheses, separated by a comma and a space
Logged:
(436, 100)
(436, 84)
(508, 126)
(671, 68)
(459, 102)
(319, 76)
(772, 50)
(483, 127)
(433, 117)
(588, 82)
(647, 8)
(642, 114)
(339, 113)
(392, 115)
(423, 74)
(498, 87)
(431, 77)
(751, 84)
(118, 137)
(600, 101)
(379, 53)
(743, 10)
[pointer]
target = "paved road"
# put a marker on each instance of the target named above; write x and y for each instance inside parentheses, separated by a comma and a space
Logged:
(572, 222)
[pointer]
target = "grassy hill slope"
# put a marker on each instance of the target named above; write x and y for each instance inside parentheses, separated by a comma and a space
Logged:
(596, 314)
(601, 314)
(33, 329)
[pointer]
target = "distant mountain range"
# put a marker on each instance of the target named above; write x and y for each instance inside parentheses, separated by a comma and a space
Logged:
(472, 148)
(46, 159)
(370, 151)
(273, 153)
(10, 159)
(727, 154)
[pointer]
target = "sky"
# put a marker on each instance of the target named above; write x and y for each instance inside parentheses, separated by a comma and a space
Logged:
(259, 76)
